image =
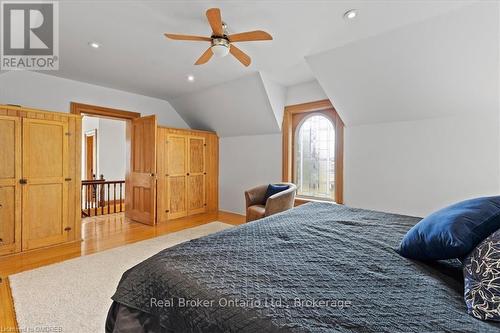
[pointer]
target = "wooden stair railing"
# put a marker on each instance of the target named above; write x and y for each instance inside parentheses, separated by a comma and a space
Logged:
(100, 197)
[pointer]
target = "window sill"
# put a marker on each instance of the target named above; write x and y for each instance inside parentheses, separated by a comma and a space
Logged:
(301, 200)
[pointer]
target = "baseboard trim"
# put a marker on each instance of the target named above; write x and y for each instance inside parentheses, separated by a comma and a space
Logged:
(231, 218)
(8, 322)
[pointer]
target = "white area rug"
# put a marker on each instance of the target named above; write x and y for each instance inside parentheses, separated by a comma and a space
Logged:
(75, 294)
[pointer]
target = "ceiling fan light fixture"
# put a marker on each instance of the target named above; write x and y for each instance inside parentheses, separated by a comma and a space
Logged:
(220, 47)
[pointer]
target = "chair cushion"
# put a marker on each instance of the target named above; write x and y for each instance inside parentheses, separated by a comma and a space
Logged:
(256, 212)
(481, 279)
(454, 231)
(272, 189)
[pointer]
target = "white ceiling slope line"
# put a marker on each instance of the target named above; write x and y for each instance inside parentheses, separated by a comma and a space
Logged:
(276, 95)
(235, 108)
(443, 66)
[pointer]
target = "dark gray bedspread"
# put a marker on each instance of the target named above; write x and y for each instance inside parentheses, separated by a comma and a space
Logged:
(276, 268)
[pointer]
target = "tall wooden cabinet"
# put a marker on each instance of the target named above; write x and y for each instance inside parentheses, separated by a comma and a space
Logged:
(187, 166)
(39, 178)
(10, 189)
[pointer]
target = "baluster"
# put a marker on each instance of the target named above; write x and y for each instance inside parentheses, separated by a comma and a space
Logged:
(121, 197)
(114, 197)
(81, 200)
(87, 199)
(94, 196)
(109, 200)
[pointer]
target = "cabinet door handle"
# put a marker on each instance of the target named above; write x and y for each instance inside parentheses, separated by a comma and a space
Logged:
(67, 179)
(1, 241)
(23, 181)
(167, 211)
(67, 229)
(187, 174)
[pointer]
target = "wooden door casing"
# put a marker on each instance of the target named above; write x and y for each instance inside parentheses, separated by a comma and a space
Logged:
(140, 181)
(196, 185)
(177, 169)
(45, 194)
(10, 191)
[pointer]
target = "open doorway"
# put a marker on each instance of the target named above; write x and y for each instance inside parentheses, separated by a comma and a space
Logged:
(120, 160)
(104, 161)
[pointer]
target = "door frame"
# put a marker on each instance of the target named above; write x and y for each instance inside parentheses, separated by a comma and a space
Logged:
(88, 134)
(105, 112)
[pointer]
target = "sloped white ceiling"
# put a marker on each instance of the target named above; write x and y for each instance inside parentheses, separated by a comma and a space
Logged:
(136, 57)
(276, 95)
(238, 107)
(442, 66)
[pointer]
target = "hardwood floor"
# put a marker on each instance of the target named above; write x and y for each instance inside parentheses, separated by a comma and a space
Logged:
(99, 233)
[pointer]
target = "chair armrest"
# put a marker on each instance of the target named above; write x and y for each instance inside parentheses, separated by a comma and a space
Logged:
(281, 201)
(255, 196)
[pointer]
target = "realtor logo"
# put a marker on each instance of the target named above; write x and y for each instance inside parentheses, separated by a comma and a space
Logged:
(29, 35)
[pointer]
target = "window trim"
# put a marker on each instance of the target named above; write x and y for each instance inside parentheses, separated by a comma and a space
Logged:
(292, 117)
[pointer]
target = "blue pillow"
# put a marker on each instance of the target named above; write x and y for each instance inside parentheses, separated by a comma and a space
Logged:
(452, 232)
(481, 276)
(272, 189)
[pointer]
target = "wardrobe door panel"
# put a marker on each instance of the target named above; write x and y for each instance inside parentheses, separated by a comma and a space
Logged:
(196, 175)
(196, 194)
(196, 155)
(177, 176)
(45, 192)
(177, 197)
(10, 192)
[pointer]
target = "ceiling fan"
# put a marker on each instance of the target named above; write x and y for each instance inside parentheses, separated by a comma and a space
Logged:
(221, 42)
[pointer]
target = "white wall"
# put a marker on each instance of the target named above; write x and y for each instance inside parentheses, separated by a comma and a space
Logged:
(304, 92)
(416, 167)
(245, 162)
(48, 92)
(111, 147)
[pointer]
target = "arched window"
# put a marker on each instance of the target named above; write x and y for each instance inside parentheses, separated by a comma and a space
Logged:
(314, 157)
(313, 151)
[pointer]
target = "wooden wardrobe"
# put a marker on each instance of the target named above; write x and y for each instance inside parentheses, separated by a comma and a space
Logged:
(39, 178)
(187, 173)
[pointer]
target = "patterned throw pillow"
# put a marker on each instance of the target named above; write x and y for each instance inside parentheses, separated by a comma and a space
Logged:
(482, 279)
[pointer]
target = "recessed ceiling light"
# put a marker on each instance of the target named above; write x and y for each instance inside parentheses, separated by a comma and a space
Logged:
(190, 78)
(350, 14)
(94, 45)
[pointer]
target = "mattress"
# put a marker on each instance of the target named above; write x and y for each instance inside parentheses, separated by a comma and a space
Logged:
(319, 267)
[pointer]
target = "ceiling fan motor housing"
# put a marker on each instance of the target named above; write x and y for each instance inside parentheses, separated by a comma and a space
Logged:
(220, 47)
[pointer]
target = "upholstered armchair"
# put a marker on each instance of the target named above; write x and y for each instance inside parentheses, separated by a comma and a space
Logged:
(257, 207)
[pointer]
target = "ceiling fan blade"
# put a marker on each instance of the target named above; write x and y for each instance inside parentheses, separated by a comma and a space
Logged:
(215, 20)
(205, 57)
(250, 36)
(188, 37)
(240, 55)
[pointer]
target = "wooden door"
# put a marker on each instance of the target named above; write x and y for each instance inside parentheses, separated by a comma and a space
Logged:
(45, 192)
(140, 182)
(10, 191)
(89, 156)
(177, 149)
(196, 174)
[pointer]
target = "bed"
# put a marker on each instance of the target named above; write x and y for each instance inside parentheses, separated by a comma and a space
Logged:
(319, 267)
